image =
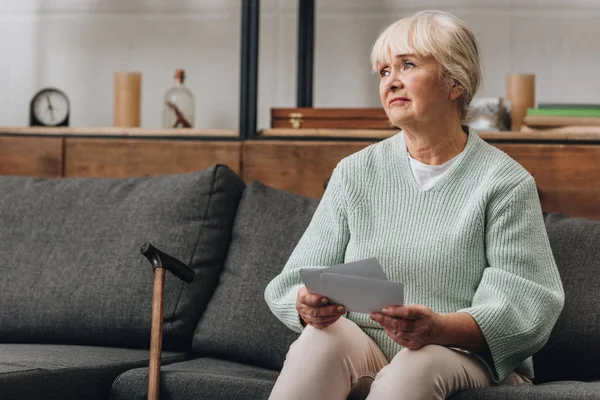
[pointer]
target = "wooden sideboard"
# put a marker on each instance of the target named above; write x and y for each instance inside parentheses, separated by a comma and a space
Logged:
(114, 152)
(566, 167)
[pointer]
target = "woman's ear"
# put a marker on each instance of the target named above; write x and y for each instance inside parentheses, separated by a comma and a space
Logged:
(456, 91)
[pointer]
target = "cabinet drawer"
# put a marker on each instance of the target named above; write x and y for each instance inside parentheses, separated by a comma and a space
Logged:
(295, 166)
(116, 158)
(31, 156)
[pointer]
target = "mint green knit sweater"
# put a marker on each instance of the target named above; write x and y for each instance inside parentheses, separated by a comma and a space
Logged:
(474, 242)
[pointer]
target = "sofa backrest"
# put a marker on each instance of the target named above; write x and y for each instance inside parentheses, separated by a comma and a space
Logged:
(237, 323)
(72, 271)
(574, 345)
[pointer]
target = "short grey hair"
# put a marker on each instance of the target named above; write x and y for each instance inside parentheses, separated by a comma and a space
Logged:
(440, 35)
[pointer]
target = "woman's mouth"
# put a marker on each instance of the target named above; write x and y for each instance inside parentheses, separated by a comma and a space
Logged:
(399, 100)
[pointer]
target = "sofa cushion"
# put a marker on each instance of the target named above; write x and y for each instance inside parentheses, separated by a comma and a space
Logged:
(33, 371)
(72, 271)
(202, 378)
(208, 378)
(527, 391)
(238, 324)
(573, 347)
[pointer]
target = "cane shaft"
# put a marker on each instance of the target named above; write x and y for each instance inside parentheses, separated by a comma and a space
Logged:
(156, 334)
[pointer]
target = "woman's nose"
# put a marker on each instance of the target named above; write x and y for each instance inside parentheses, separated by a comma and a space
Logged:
(394, 83)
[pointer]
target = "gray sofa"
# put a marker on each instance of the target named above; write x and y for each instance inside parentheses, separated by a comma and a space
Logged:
(75, 292)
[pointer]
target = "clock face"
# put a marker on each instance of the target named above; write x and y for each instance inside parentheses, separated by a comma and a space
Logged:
(50, 107)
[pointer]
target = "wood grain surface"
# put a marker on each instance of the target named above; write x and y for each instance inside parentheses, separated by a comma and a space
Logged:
(116, 158)
(298, 167)
(156, 331)
(331, 118)
(374, 134)
(31, 156)
(567, 176)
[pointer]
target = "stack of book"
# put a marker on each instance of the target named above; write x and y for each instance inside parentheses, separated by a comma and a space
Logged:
(563, 118)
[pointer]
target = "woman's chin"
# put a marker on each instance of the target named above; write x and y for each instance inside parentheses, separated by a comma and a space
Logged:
(399, 118)
(399, 122)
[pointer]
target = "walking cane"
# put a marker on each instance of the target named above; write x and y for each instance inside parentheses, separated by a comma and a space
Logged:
(160, 262)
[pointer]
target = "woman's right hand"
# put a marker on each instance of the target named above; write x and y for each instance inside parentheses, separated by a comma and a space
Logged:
(315, 309)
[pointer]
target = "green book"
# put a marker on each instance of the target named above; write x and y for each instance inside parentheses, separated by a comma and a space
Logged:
(569, 105)
(564, 112)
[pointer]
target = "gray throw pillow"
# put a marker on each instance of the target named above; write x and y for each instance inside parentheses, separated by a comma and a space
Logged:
(572, 350)
(72, 271)
(238, 324)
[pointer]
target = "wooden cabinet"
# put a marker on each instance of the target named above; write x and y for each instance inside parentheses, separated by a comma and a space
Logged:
(115, 152)
(117, 158)
(566, 169)
(31, 156)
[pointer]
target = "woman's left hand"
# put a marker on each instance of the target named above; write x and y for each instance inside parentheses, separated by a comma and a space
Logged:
(412, 326)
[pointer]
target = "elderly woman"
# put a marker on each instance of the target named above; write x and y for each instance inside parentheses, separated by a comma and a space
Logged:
(453, 218)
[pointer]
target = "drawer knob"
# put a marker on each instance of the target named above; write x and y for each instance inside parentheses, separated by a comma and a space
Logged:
(296, 120)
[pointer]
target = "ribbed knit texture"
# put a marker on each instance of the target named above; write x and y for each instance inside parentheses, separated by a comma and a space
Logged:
(474, 242)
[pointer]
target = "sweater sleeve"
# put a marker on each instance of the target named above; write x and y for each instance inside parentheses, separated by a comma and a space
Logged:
(323, 244)
(520, 295)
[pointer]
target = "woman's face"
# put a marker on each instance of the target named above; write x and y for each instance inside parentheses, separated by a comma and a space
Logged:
(411, 90)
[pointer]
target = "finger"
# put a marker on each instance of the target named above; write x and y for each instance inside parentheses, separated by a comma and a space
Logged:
(394, 311)
(324, 311)
(399, 324)
(312, 299)
(333, 309)
(387, 321)
(319, 318)
(413, 311)
(406, 325)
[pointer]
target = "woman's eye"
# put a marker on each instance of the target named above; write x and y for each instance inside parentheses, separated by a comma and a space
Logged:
(408, 65)
(384, 72)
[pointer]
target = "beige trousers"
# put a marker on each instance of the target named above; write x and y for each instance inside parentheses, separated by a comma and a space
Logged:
(331, 363)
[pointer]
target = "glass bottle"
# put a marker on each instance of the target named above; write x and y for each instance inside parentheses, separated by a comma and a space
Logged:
(179, 104)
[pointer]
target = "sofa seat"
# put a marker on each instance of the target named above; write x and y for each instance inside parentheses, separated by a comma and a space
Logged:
(561, 390)
(564, 390)
(205, 378)
(215, 379)
(39, 371)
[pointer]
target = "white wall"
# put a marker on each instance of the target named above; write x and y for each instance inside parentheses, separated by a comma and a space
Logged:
(77, 45)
